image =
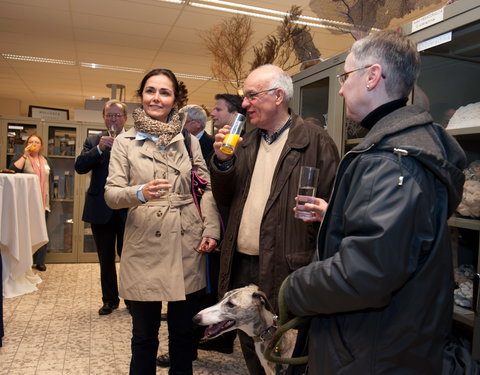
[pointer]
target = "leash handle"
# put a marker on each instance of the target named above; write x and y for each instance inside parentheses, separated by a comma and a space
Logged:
(284, 326)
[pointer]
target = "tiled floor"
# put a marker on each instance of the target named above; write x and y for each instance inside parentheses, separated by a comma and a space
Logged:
(57, 330)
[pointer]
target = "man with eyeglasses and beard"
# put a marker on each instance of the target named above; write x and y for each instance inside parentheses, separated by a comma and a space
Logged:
(263, 241)
(107, 225)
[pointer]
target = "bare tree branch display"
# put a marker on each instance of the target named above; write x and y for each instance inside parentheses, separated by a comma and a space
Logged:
(228, 43)
(366, 14)
(292, 44)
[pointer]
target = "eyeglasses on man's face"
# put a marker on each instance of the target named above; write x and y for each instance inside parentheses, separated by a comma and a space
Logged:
(344, 76)
(252, 95)
(113, 116)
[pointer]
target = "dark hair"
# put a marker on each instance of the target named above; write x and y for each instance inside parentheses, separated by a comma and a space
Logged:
(234, 102)
(157, 72)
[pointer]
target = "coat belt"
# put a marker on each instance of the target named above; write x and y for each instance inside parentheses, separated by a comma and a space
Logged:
(172, 200)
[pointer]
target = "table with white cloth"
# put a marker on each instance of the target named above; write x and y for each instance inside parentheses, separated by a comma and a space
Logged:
(23, 230)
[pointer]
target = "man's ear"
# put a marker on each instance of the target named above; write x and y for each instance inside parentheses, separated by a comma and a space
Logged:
(279, 96)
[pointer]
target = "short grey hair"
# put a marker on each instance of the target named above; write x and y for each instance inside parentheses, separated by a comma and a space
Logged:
(195, 112)
(280, 79)
(396, 53)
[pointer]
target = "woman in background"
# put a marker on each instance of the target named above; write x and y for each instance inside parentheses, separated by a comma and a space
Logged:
(32, 161)
(165, 237)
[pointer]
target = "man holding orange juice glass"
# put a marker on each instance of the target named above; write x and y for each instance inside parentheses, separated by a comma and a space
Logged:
(263, 241)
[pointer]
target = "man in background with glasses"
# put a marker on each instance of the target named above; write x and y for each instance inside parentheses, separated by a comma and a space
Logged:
(107, 225)
(263, 241)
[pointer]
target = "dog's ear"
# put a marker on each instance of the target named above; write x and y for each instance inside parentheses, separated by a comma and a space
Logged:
(260, 298)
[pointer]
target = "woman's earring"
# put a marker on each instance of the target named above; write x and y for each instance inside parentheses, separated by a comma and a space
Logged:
(368, 87)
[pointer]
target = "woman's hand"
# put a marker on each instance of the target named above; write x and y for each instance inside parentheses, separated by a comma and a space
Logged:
(207, 245)
(27, 151)
(155, 189)
(318, 207)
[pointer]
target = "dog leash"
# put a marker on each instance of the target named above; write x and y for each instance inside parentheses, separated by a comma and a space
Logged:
(271, 352)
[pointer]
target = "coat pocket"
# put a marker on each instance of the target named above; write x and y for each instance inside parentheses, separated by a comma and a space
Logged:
(191, 222)
(135, 224)
(337, 346)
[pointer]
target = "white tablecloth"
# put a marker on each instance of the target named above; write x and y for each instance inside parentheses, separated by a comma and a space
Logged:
(22, 231)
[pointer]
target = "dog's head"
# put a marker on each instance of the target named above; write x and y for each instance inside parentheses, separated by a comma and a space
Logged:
(243, 308)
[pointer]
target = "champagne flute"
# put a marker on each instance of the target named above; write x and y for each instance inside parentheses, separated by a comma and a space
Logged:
(112, 132)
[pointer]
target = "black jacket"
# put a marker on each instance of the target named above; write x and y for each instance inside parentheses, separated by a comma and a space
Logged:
(95, 210)
(381, 293)
(206, 144)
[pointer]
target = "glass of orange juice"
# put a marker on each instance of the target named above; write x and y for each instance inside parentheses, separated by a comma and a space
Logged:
(231, 139)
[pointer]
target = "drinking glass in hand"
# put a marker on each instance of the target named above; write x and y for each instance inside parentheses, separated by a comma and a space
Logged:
(112, 132)
(231, 139)
(307, 187)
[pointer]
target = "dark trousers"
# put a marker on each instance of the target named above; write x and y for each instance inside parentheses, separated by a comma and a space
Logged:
(245, 271)
(106, 236)
(146, 324)
(40, 255)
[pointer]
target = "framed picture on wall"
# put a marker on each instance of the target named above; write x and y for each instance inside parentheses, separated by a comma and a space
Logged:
(47, 113)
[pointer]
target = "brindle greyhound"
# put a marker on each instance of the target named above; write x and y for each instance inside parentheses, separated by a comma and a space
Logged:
(247, 309)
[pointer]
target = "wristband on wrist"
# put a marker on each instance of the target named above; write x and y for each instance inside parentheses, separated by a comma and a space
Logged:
(23, 156)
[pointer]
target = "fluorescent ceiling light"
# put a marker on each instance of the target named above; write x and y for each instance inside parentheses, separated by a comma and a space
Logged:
(265, 13)
(38, 59)
(94, 66)
(111, 67)
(272, 11)
(193, 76)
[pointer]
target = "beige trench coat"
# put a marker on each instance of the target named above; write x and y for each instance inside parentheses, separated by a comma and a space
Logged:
(158, 260)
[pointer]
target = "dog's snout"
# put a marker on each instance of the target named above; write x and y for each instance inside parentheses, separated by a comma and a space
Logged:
(197, 318)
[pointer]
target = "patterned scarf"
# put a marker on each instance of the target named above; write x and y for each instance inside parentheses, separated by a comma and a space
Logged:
(165, 131)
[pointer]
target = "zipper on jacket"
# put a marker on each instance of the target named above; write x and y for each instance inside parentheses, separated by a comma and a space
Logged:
(400, 152)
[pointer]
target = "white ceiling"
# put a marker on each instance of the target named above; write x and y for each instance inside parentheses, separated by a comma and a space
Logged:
(141, 34)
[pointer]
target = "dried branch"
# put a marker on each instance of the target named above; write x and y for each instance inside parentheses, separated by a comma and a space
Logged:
(228, 42)
(291, 45)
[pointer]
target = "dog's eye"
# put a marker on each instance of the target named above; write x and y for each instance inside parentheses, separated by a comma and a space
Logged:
(230, 305)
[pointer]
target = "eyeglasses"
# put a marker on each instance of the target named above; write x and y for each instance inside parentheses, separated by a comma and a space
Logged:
(113, 115)
(252, 95)
(343, 77)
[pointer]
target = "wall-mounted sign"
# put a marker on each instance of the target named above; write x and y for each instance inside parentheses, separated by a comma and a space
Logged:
(46, 113)
(428, 20)
(433, 42)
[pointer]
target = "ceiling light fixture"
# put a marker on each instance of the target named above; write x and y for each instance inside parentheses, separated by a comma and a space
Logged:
(194, 76)
(272, 11)
(111, 67)
(265, 13)
(37, 59)
(95, 66)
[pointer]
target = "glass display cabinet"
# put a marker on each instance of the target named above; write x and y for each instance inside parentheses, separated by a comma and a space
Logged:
(70, 240)
(449, 44)
(316, 96)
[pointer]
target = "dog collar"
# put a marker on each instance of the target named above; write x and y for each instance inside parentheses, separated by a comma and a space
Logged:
(268, 333)
(265, 335)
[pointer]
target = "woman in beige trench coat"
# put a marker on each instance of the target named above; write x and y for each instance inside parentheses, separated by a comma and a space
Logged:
(165, 237)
